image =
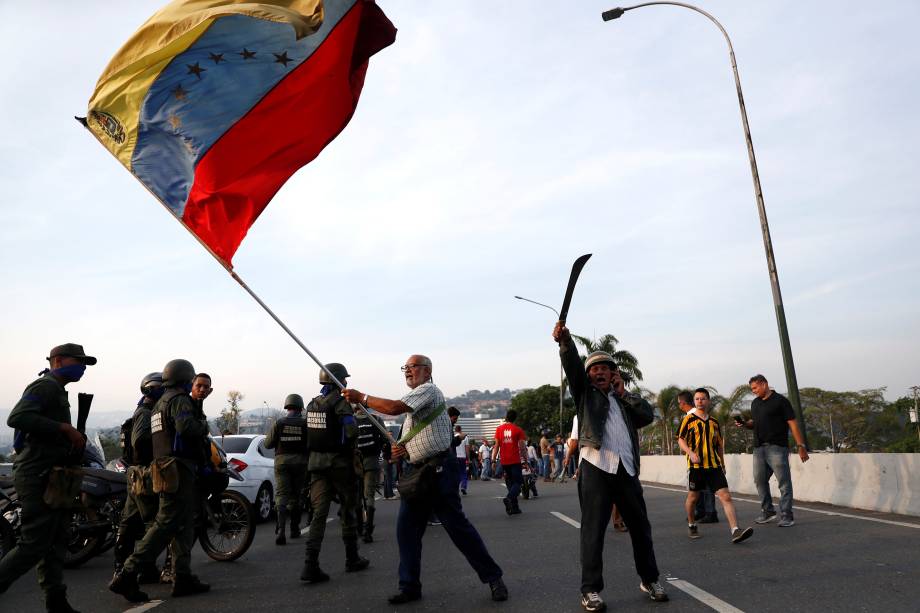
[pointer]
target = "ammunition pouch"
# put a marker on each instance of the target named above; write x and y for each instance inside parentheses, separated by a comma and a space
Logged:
(164, 472)
(139, 481)
(63, 489)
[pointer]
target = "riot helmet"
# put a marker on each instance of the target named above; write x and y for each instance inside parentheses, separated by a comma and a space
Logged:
(177, 373)
(293, 401)
(339, 370)
(150, 382)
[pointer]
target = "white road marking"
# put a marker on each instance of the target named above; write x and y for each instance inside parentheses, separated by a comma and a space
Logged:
(890, 522)
(703, 596)
(566, 519)
(144, 607)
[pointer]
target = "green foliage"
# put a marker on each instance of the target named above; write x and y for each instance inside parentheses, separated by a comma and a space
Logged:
(110, 447)
(538, 409)
(737, 440)
(844, 421)
(626, 361)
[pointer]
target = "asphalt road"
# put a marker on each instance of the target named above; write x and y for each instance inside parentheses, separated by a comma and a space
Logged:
(833, 559)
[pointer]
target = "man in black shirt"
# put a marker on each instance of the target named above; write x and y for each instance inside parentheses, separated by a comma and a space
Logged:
(771, 420)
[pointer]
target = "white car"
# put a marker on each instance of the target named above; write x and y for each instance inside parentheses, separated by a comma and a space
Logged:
(256, 464)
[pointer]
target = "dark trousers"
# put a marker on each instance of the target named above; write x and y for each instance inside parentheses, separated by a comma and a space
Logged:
(514, 479)
(445, 503)
(598, 491)
(461, 467)
(42, 540)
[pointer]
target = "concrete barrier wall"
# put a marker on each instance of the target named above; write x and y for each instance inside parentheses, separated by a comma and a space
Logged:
(887, 482)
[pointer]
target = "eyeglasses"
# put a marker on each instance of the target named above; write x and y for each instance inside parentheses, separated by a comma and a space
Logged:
(407, 367)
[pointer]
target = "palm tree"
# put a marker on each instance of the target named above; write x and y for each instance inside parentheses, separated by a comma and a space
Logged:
(626, 361)
(666, 408)
(725, 407)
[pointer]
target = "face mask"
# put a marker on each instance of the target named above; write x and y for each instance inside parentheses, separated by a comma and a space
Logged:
(157, 393)
(72, 372)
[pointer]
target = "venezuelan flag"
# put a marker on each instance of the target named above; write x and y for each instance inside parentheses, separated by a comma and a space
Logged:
(214, 104)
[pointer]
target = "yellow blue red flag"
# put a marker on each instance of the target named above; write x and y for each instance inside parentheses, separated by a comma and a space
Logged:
(214, 104)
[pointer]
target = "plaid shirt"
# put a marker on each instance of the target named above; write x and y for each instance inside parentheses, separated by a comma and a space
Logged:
(436, 436)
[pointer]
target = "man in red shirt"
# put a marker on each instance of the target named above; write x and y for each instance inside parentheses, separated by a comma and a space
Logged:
(512, 451)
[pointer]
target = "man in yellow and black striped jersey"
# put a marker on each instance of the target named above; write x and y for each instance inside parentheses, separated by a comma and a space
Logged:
(701, 439)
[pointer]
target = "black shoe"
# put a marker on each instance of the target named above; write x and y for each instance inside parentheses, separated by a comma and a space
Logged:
(709, 518)
(499, 590)
(739, 535)
(654, 591)
(125, 583)
(148, 575)
(56, 602)
(508, 507)
(368, 537)
(187, 585)
(355, 564)
(404, 597)
(463, 492)
(591, 601)
(281, 539)
(312, 573)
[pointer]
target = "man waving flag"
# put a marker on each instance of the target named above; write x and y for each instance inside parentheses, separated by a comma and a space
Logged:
(214, 104)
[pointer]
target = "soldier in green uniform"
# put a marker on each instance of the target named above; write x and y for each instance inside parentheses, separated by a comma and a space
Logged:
(178, 431)
(137, 452)
(331, 431)
(370, 443)
(288, 437)
(45, 440)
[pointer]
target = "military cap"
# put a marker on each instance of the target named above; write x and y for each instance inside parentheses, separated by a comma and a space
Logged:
(72, 350)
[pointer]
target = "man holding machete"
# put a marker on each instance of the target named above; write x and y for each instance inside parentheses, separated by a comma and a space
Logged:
(608, 417)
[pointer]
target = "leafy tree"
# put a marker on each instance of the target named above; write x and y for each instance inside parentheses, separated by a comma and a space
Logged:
(538, 409)
(842, 421)
(229, 420)
(737, 440)
(111, 448)
(626, 361)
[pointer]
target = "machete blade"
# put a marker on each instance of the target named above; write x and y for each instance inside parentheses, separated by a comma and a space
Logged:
(573, 279)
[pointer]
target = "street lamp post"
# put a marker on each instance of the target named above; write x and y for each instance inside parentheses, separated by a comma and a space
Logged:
(561, 371)
(788, 365)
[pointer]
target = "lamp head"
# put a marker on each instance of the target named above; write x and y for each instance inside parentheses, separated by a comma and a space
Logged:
(613, 14)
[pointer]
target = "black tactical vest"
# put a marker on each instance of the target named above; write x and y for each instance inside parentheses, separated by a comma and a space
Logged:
(369, 438)
(142, 452)
(124, 441)
(324, 428)
(163, 430)
(291, 435)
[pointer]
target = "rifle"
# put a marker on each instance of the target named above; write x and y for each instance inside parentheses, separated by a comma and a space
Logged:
(83, 403)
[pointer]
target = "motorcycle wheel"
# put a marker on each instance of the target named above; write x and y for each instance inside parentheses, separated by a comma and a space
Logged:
(81, 547)
(235, 529)
(7, 537)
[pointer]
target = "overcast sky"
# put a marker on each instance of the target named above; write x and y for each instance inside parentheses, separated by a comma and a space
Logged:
(493, 144)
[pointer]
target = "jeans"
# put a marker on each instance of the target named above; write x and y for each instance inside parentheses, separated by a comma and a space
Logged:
(461, 466)
(560, 468)
(499, 471)
(486, 473)
(514, 479)
(445, 503)
(773, 460)
(545, 466)
(598, 491)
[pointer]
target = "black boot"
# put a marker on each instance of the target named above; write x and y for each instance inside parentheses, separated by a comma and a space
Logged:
(312, 573)
(281, 526)
(295, 523)
(354, 562)
(186, 585)
(56, 602)
(369, 526)
(125, 583)
(148, 574)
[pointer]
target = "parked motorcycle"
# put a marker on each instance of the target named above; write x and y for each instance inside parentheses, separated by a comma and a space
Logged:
(226, 521)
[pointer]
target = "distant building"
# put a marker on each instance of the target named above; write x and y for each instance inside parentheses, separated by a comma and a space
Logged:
(478, 428)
